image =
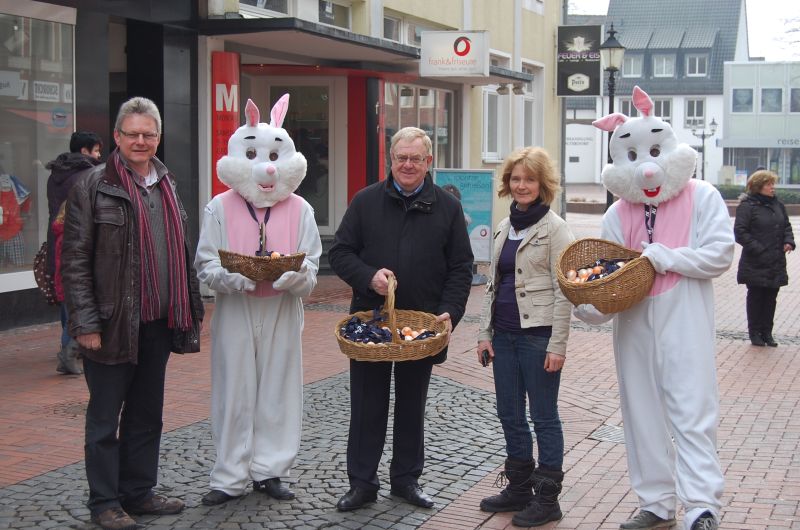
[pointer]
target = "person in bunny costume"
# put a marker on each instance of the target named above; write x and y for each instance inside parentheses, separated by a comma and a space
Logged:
(256, 352)
(664, 345)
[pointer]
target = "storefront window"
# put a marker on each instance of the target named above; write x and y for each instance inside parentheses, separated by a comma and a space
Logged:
(36, 121)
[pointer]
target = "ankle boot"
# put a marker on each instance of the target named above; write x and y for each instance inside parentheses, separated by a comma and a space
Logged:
(517, 493)
(68, 359)
(767, 337)
(756, 340)
(544, 507)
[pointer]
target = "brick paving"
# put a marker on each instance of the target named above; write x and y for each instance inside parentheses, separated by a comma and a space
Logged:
(42, 482)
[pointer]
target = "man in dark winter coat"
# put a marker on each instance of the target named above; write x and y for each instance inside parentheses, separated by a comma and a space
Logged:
(409, 228)
(763, 229)
(84, 154)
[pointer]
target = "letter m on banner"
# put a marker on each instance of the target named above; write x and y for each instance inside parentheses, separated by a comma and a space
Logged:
(224, 109)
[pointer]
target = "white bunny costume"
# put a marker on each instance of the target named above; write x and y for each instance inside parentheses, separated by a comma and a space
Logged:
(256, 352)
(664, 346)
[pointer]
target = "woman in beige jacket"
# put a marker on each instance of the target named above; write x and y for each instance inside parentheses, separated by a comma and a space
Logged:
(523, 333)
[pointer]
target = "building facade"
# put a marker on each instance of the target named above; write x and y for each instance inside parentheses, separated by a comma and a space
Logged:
(351, 67)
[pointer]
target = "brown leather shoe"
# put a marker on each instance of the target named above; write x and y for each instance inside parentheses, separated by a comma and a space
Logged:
(156, 505)
(114, 519)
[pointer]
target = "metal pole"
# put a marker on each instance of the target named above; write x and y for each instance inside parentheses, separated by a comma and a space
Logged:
(611, 87)
(703, 156)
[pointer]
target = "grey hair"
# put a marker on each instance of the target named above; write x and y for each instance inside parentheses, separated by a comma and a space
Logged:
(138, 105)
(410, 134)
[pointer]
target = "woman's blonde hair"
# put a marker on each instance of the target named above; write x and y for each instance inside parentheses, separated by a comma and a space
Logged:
(539, 165)
(759, 179)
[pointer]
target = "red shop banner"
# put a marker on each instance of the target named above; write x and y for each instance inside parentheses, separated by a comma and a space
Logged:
(224, 109)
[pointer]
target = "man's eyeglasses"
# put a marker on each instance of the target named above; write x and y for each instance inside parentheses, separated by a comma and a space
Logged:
(148, 137)
(416, 159)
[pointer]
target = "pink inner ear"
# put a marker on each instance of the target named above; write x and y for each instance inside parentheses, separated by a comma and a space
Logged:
(610, 122)
(642, 101)
(251, 111)
(279, 111)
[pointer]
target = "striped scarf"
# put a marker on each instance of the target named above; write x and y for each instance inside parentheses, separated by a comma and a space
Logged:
(179, 310)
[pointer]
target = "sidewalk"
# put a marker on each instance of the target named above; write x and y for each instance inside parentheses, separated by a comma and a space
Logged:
(42, 481)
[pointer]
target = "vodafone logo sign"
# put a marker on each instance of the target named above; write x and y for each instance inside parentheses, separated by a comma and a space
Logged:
(461, 46)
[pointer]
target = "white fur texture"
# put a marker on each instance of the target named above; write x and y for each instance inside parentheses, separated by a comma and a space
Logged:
(649, 165)
(274, 171)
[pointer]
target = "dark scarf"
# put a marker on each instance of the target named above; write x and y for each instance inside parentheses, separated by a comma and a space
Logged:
(764, 199)
(524, 218)
(179, 313)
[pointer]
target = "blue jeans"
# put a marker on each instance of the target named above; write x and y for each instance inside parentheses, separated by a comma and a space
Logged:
(519, 372)
(64, 330)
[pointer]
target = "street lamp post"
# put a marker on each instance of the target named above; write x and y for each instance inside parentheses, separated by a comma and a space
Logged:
(702, 134)
(611, 53)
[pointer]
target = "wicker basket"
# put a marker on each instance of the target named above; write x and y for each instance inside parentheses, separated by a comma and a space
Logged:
(397, 350)
(259, 268)
(617, 291)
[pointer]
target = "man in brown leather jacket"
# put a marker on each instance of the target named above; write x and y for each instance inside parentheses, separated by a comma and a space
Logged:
(132, 297)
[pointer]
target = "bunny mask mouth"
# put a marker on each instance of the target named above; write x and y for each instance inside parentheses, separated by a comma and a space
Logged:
(652, 193)
(267, 188)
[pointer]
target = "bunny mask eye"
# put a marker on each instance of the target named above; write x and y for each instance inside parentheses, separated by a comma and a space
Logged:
(273, 156)
(251, 153)
(655, 151)
(632, 155)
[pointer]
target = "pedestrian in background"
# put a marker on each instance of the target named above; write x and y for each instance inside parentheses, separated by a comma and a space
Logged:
(409, 228)
(65, 170)
(763, 229)
(132, 297)
(524, 330)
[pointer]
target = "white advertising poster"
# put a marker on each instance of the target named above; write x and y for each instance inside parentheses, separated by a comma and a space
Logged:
(45, 91)
(9, 83)
(454, 54)
(474, 188)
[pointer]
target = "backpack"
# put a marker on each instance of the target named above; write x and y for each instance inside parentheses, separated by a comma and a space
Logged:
(43, 279)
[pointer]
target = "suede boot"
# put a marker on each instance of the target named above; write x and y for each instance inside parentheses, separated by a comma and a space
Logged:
(756, 340)
(518, 491)
(544, 507)
(69, 360)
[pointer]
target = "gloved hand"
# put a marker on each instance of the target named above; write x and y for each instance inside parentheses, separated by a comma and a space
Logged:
(297, 283)
(233, 282)
(590, 314)
(653, 252)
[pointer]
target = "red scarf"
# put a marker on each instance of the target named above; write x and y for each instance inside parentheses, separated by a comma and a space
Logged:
(179, 310)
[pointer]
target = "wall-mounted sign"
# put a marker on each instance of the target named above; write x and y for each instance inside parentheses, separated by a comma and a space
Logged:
(9, 83)
(454, 54)
(224, 109)
(473, 187)
(45, 91)
(578, 61)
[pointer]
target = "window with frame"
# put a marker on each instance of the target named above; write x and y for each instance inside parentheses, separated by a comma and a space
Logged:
(663, 109)
(632, 65)
(695, 114)
(392, 28)
(663, 66)
(334, 14)
(495, 124)
(404, 30)
(626, 107)
(696, 65)
(279, 6)
(528, 108)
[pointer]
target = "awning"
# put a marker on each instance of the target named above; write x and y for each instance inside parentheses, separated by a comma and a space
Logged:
(297, 41)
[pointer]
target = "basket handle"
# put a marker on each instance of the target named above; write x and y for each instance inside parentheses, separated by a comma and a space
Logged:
(388, 306)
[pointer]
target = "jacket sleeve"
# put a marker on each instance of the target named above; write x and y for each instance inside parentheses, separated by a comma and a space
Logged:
(485, 329)
(742, 232)
(458, 283)
(77, 257)
(788, 235)
(561, 237)
(344, 254)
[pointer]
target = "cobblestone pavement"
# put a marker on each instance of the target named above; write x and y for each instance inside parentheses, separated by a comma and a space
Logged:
(42, 482)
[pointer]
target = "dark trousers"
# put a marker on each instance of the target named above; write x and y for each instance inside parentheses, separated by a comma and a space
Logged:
(761, 302)
(369, 415)
(122, 470)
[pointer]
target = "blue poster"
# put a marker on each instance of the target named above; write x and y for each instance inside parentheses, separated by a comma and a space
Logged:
(475, 188)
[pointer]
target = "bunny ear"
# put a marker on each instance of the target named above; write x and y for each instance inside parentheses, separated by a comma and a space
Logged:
(610, 122)
(251, 111)
(279, 111)
(642, 101)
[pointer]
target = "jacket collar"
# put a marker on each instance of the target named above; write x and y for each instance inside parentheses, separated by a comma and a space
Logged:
(423, 201)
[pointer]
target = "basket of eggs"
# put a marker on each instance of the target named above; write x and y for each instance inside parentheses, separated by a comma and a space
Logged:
(605, 274)
(391, 334)
(259, 268)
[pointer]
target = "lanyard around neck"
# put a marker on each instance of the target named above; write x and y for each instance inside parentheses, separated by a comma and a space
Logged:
(262, 229)
(650, 220)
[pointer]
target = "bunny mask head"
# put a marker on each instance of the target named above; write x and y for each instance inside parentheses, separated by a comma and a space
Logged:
(649, 165)
(262, 165)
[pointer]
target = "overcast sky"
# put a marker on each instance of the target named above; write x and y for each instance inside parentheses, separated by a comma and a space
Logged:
(766, 26)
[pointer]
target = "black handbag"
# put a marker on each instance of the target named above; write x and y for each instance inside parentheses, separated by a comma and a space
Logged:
(43, 278)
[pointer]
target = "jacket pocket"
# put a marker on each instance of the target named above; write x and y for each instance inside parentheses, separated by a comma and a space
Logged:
(536, 301)
(109, 224)
(104, 311)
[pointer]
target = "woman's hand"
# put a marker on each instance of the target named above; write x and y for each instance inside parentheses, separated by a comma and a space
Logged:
(554, 362)
(485, 345)
(787, 248)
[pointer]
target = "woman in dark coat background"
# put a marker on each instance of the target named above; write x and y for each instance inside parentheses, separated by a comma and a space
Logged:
(763, 229)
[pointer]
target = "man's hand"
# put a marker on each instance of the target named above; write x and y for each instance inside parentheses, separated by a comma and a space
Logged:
(380, 282)
(90, 341)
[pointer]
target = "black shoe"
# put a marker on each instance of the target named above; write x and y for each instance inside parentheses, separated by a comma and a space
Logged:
(274, 488)
(216, 497)
(706, 521)
(756, 340)
(356, 498)
(413, 494)
(769, 340)
(156, 505)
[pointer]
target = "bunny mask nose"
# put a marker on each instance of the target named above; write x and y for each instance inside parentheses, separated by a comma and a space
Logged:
(265, 176)
(649, 177)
